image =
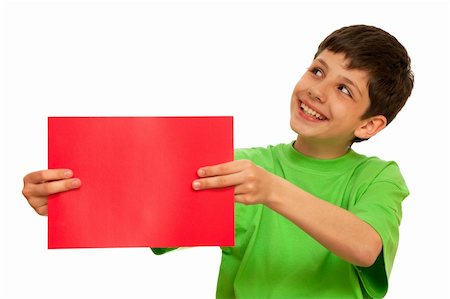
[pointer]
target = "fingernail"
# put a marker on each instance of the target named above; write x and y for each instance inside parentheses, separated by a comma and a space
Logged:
(201, 172)
(68, 174)
(196, 185)
(76, 183)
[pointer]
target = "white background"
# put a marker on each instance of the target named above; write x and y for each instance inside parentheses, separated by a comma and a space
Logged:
(104, 58)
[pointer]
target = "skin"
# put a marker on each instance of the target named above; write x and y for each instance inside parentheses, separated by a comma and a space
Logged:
(38, 185)
(340, 95)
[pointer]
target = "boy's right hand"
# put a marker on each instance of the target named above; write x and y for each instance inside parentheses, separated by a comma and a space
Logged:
(37, 186)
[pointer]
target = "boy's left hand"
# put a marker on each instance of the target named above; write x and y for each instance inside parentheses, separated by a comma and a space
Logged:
(253, 184)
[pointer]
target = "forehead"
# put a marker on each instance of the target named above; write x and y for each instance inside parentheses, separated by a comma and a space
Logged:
(339, 64)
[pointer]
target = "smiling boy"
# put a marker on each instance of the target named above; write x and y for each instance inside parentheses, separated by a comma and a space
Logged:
(321, 221)
(314, 219)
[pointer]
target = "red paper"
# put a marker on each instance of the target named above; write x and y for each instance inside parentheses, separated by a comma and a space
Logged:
(136, 175)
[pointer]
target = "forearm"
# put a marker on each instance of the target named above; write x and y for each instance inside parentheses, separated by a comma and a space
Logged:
(335, 228)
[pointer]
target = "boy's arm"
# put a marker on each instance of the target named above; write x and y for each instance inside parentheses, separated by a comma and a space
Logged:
(337, 229)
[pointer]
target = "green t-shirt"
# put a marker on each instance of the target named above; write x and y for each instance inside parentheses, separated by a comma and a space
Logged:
(273, 258)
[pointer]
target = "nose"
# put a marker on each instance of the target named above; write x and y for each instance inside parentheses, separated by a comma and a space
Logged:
(317, 92)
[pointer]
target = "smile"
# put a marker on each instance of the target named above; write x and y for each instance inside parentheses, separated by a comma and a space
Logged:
(310, 112)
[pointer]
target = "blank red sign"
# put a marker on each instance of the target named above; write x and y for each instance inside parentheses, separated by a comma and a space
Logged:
(136, 175)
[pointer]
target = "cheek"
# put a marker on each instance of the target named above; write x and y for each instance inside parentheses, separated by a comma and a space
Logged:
(341, 109)
(302, 84)
(347, 115)
(349, 109)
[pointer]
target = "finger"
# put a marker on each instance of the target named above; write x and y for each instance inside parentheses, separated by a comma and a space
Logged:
(218, 181)
(43, 210)
(239, 198)
(243, 198)
(224, 168)
(242, 189)
(39, 204)
(49, 188)
(47, 175)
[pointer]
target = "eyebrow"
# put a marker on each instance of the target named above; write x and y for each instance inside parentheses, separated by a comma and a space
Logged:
(347, 80)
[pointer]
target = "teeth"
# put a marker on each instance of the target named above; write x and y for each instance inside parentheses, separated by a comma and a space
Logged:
(311, 112)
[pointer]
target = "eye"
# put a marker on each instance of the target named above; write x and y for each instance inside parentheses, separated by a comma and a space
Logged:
(316, 71)
(344, 89)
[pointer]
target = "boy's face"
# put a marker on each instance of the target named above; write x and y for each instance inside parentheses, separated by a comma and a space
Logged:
(329, 100)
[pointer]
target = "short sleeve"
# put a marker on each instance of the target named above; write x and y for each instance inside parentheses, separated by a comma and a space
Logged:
(381, 207)
(159, 251)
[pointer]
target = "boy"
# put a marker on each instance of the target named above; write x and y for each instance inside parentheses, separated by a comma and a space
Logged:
(314, 219)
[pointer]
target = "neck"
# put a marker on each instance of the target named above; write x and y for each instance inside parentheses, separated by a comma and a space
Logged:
(320, 149)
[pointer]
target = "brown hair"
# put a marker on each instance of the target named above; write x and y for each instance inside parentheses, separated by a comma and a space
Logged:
(381, 54)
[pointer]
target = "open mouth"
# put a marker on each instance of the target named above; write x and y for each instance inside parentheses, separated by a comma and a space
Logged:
(311, 112)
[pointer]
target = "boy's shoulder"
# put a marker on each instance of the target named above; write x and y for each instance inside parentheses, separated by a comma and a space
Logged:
(246, 153)
(360, 166)
(287, 153)
(262, 156)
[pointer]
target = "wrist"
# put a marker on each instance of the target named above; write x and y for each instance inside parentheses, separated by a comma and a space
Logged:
(275, 196)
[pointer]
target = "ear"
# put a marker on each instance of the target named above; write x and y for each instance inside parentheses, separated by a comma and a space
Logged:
(371, 126)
